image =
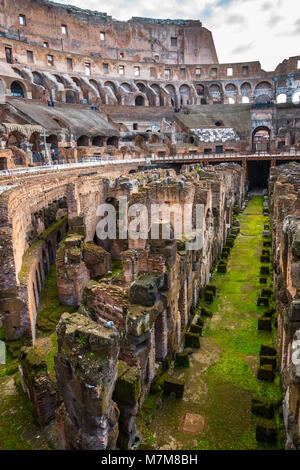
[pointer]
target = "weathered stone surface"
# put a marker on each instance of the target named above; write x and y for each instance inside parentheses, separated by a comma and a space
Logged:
(174, 386)
(263, 409)
(266, 431)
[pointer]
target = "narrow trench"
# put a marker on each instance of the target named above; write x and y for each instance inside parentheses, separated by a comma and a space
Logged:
(222, 378)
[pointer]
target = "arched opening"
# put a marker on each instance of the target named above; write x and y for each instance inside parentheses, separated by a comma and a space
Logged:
(141, 87)
(246, 89)
(14, 139)
(125, 87)
(157, 90)
(171, 90)
(114, 141)
(185, 95)
(263, 93)
(231, 92)
(97, 141)
(258, 174)
(296, 97)
(199, 89)
(53, 141)
(59, 79)
(83, 141)
(37, 78)
(76, 81)
(17, 90)
(71, 97)
(111, 86)
(35, 141)
(139, 101)
(281, 98)
(215, 93)
(261, 139)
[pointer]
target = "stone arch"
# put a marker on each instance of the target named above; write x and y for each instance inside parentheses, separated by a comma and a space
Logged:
(38, 78)
(113, 140)
(15, 139)
(125, 87)
(231, 88)
(17, 89)
(172, 92)
(59, 79)
(246, 89)
(112, 87)
(200, 90)
(35, 141)
(263, 92)
(261, 137)
(97, 141)
(185, 95)
(215, 93)
(157, 89)
(231, 93)
(139, 100)
(141, 87)
(71, 97)
(296, 97)
(83, 141)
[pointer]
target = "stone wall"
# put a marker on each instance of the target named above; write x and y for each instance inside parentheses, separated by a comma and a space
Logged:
(284, 193)
(33, 213)
(148, 304)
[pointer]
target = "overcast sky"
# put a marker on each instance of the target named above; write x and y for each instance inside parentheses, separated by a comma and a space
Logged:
(243, 30)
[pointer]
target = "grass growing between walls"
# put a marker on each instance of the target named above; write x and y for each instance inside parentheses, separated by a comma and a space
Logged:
(50, 310)
(222, 379)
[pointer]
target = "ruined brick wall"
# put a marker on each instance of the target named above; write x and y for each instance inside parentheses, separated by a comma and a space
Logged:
(285, 216)
(151, 301)
(32, 222)
(137, 38)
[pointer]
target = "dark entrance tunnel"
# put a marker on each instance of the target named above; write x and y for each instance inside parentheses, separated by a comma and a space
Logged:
(258, 174)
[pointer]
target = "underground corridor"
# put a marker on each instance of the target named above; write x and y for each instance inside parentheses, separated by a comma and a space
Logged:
(221, 381)
(258, 174)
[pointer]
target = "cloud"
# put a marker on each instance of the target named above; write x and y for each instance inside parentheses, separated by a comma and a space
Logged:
(266, 6)
(242, 48)
(274, 20)
(235, 19)
(268, 26)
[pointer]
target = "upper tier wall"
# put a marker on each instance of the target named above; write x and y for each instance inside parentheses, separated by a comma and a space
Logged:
(75, 30)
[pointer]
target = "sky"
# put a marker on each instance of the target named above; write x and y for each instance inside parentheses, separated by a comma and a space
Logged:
(243, 30)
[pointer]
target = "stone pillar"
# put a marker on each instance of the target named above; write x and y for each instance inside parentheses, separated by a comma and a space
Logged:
(86, 371)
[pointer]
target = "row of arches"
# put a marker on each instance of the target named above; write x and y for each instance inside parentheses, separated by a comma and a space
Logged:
(154, 94)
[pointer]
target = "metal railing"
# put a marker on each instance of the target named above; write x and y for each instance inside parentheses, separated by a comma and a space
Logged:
(223, 156)
(69, 166)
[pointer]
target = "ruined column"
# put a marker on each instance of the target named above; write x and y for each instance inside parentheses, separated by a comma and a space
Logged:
(86, 370)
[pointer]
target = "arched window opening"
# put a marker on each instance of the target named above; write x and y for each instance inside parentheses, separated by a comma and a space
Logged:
(83, 141)
(296, 97)
(37, 78)
(97, 141)
(263, 93)
(114, 141)
(139, 101)
(17, 90)
(261, 139)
